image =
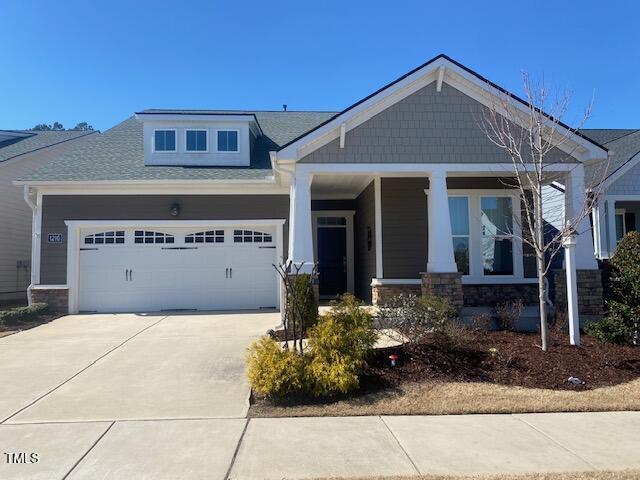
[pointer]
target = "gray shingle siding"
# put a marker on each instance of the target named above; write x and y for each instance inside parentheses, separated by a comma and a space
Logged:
(628, 184)
(426, 127)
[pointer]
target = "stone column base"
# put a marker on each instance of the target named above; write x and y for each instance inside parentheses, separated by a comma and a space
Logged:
(444, 285)
(590, 295)
(56, 297)
(380, 294)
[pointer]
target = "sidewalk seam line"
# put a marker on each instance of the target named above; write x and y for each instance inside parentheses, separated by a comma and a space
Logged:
(89, 450)
(400, 445)
(32, 403)
(556, 442)
(237, 449)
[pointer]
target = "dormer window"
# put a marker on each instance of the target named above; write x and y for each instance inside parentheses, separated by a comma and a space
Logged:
(196, 140)
(164, 141)
(227, 141)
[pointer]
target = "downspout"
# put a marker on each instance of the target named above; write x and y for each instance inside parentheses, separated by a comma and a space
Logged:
(34, 210)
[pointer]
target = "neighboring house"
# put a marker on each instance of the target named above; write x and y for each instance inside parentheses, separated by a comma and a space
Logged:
(189, 209)
(22, 151)
(618, 208)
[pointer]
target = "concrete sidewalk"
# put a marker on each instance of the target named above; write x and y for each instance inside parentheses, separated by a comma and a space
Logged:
(292, 448)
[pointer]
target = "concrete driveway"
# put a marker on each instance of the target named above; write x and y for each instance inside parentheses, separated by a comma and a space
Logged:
(129, 367)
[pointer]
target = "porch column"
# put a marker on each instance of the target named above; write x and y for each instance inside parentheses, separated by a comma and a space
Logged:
(300, 228)
(572, 290)
(612, 234)
(440, 256)
(575, 203)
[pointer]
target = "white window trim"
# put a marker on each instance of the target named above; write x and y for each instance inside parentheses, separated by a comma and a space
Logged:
(468, 236)
(228, 130)
(622, 212)
(205, 130)
(153, 140)
(476, 270)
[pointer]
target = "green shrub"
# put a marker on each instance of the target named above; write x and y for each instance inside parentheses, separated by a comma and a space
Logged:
(22, 314)
(621, 323)
(339, 344)
(302, 293)
(615, 327)
(275, 372)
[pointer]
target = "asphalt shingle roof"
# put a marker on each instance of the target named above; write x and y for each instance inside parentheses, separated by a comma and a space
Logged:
(623, 145)
(117, 154)
(35, 140)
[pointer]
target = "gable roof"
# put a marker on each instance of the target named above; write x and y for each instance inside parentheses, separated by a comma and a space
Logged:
(118, 153)
(432, 69)
(21, 142)
(624, 148)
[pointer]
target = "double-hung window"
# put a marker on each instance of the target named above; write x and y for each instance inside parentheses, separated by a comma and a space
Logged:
(164, 141)
(196, 140)
(496, 221)
(227, 141)
(459, 214)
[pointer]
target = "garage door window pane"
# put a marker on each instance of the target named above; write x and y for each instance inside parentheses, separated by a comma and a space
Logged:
(105, 238)
(147, 237)
(250, 236)
(212, 236)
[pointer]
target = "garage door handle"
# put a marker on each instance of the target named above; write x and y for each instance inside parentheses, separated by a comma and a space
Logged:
(131, 275)
(126, 275)
(231, 273)
(226, 272)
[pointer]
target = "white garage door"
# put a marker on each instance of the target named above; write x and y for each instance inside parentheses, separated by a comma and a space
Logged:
(154, 269)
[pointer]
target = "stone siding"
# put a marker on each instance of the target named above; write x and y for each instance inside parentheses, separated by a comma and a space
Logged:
(444, 285)
(590, 292)
(382, 293)
(492, 295)
(56, 298)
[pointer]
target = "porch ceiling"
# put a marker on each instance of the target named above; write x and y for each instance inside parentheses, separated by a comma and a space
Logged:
(338, 186)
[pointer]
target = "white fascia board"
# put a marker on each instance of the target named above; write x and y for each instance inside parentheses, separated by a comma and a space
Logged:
(174, 223)
(151, 188)
(456, 77)
(168, 117)
(396, 169)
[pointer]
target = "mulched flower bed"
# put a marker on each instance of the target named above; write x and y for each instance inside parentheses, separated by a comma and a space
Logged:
(508, 358)
(6, 330)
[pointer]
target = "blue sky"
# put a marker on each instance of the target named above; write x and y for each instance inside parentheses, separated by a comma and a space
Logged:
(72, 61)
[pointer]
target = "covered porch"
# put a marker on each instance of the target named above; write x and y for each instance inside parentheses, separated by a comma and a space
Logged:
(451, 232)
(613, 217)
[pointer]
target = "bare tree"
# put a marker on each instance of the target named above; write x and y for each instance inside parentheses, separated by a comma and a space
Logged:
(297, 302)
(535, 139)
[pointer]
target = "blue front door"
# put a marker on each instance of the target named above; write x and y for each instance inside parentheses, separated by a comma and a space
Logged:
(332, 260)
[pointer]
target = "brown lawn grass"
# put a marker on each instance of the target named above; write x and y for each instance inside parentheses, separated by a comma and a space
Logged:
(622, 475)
(443, 398)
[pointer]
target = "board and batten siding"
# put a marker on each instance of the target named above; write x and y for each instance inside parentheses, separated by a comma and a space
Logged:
(365, 258)
(58, 208)
(425, 127)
